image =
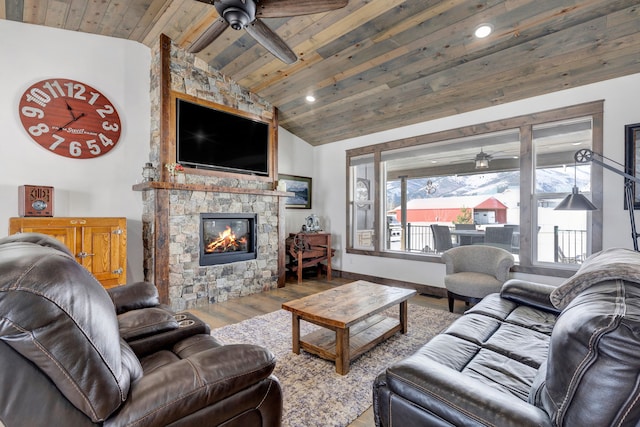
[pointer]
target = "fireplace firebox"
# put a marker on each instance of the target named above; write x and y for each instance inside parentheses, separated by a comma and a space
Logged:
(227, 237)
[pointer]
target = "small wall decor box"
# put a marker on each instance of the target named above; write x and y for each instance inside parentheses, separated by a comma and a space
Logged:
(35, 200)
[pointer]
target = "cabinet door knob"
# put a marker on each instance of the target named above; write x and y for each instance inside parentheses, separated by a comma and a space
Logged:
(118, 271)
(84, 255)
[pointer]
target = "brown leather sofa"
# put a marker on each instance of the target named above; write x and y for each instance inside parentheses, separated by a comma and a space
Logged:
(533, 355)
(74, 354)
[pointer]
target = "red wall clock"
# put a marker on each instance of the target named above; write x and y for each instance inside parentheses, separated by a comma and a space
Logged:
(70, 118)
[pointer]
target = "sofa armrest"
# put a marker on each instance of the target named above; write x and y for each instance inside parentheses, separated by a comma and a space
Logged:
(165, 336)
(457, 399)
(134, 296)
(137, 324)
(180, 389)
(529, 293)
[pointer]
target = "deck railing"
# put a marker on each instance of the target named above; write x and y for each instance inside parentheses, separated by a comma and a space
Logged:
(570, 246)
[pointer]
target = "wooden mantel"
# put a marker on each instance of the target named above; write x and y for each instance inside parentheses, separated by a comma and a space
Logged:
(157, 185)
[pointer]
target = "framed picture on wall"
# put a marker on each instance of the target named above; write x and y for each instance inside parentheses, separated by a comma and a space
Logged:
(632, 160)
(301, 186)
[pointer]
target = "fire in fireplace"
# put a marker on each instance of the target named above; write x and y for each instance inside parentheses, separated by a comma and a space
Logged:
(227, 237)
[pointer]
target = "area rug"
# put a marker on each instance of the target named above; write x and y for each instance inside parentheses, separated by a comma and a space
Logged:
(314, 394)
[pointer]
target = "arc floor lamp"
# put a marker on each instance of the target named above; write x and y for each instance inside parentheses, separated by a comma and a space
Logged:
(576, 201)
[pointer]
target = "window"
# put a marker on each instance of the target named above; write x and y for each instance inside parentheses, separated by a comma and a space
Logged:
(362, 209)
(561, 236)
(491, 184)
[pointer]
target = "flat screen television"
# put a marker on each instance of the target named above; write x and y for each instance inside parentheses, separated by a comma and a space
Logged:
(207, 138)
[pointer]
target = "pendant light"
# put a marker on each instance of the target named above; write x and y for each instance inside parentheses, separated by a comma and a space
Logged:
(575, 201)
(482, 160)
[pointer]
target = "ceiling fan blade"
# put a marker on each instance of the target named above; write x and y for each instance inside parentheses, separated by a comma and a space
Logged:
(284, 8)
(209, 35)
(271, 41)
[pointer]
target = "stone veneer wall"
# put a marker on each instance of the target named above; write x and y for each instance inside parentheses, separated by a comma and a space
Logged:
(191, 285)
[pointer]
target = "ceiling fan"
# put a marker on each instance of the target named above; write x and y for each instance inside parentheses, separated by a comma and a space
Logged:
(246, 14)
(482, 159)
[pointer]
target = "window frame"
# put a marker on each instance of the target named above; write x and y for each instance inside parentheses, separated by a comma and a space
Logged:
(525, 124)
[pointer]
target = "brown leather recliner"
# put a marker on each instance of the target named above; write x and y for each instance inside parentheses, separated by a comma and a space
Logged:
(67, 358)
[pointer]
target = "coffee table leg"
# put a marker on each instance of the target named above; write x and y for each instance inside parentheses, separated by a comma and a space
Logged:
(403, 317)
(342, 351)
(295, 329)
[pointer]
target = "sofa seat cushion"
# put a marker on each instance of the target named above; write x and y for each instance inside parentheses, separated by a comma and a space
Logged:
(472, 362)
(181, 350)
(497, 345)
(483, 284)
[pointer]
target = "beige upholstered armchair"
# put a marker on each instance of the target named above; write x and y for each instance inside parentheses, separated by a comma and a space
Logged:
(475, 271)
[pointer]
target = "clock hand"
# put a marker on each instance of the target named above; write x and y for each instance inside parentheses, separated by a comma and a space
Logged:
(70, 110)
(70, 121)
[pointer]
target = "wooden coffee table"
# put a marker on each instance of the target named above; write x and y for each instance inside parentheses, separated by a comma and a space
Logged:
(349, 317)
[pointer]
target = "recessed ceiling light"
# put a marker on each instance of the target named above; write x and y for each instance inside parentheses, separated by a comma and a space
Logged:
(483, 30)
(310, 98)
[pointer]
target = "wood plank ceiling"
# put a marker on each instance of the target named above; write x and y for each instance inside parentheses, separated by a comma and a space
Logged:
(380, 64)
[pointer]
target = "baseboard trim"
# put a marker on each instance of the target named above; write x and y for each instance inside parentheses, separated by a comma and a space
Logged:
(433, 291)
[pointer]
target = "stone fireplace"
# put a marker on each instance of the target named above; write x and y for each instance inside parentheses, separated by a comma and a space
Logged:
(227, 238)
(171, 221)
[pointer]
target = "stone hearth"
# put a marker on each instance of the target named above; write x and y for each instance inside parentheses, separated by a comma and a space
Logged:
(190, 284)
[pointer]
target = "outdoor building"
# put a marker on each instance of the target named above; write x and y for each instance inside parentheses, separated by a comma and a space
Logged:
(482, 210)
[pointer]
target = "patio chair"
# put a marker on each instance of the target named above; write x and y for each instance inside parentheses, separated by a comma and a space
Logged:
(575, 259)
(441, 237)
(499, 237)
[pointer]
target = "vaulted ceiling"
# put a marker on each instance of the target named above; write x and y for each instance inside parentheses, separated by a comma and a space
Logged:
(380, 64)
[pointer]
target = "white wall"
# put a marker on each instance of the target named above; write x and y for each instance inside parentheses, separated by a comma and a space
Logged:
(620, 108)
(83, 187)
(295, 157)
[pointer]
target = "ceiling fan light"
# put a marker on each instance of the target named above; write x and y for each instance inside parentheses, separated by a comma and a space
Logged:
(237, 18)
(482, 160)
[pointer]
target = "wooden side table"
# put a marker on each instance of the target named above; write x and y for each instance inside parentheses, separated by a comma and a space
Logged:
(309, 249)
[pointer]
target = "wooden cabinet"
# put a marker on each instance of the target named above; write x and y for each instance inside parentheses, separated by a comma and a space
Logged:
(309, 250)
(99, 244)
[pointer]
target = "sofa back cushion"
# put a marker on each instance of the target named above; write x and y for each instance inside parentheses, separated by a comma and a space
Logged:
(56, 314)
(612, 263)
(593, 368)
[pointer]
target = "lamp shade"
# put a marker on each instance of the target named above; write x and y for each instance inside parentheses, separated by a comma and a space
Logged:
(575, 202)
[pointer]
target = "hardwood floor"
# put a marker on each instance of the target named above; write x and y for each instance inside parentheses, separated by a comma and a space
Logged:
(237, 310)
